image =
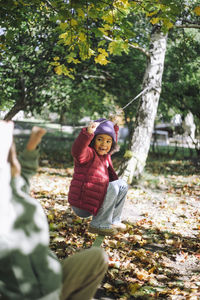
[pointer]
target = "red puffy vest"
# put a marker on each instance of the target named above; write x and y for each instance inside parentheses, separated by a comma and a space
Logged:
(92, 173)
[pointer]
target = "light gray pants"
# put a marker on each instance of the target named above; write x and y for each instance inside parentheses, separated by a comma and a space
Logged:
(82, 273)
(111, 209)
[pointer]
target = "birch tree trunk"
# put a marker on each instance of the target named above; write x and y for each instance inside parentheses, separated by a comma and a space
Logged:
(147, 110)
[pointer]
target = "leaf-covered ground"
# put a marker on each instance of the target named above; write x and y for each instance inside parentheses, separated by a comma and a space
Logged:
(158, 257)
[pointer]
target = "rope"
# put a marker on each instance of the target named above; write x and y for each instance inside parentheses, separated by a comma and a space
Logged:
(131, 101)
(141, 93)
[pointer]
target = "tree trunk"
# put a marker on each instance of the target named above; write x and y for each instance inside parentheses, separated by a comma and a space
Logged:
(14, 110)
(20, 104)
(147, 110)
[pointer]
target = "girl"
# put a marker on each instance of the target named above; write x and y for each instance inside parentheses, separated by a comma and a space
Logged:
(95, 188)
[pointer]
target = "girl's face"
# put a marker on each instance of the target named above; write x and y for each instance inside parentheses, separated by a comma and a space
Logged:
(102, 144)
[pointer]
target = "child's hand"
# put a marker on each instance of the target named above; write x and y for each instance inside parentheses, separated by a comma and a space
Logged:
(92, 127)
(6, 137)
(35, 138)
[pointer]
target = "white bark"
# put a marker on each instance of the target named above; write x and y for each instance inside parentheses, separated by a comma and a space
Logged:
(147, 108)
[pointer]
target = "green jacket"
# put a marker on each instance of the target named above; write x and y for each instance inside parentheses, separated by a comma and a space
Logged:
(28, 269)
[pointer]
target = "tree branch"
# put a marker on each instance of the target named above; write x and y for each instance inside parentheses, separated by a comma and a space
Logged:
(188, 26)
(132, 46)
(53, 8)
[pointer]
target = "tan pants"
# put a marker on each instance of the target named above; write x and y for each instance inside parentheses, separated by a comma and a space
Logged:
(82, 273)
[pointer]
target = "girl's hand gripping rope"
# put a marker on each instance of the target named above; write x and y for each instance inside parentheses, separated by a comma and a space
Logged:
(92, 127)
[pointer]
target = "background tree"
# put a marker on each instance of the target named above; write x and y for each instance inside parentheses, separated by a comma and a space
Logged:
(97, 29)
(24, 70)
(84, 96)
(182, 73)
(136, 156)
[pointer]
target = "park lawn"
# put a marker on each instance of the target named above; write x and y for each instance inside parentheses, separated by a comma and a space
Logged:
(158, 257)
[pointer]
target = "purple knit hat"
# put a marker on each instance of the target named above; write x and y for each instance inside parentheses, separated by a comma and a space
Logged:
(107, 127)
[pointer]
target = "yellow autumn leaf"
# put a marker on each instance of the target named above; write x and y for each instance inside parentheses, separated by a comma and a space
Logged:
(90, 6)
(197, 10)
(73, 22)
(105, 28)
(134, 3)
(152, 269)
(126, 3)
(69, 40)
(133, 287)
(55, 63)
(108, 286)
(112, 46)
(155, 20)
(62, 69)
(122, 4)
(101, 59)
(102, 51)
(73, 60)
(82, 37)
(125, 46)
(112, 243)
(71, 76)
(63, 26)
(2, 46)
(56, 58)
(168, 24)
(128, 154)
(50, 217)
(151, 13)
(63, 35)
(58, 70)
(67, 73)
(90, 52)
(102, 30)
(109, 18)
(81, 13)
(42, 6)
